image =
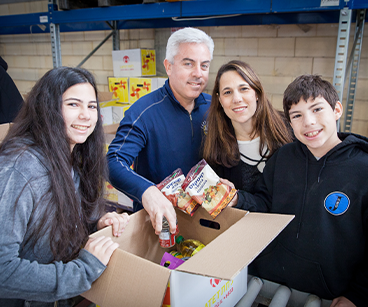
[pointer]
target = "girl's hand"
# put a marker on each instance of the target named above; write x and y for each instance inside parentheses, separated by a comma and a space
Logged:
(102, 248)
(118, 222)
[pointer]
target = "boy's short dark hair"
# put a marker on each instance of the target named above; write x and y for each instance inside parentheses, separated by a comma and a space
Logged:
(308, 86)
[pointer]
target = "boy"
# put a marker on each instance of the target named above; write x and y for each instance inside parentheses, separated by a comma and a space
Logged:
(321, 179)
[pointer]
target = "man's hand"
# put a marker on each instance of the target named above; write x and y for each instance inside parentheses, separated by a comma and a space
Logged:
(158, 206)
(118, 222)
(342, 301)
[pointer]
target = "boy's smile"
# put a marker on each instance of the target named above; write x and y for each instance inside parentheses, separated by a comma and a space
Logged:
(314, 124)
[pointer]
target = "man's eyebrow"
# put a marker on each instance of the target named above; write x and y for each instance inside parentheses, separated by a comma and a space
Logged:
(191, 60)
(188, 59)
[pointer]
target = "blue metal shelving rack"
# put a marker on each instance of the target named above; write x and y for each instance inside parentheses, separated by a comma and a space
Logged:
(196, 13)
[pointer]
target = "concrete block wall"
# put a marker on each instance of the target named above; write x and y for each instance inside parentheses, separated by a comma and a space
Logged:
(278, 53)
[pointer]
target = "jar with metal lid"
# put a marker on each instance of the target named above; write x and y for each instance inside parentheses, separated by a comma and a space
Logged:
(166, 238)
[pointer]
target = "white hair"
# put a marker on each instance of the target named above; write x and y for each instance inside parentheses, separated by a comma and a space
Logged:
(187, 35)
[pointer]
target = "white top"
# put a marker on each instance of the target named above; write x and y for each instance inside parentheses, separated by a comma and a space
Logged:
(250, 149)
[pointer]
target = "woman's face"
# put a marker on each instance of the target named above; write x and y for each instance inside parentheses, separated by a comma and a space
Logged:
(238, 100)
(80, 112)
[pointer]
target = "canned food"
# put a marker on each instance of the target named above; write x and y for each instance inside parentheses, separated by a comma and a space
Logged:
(166, 238)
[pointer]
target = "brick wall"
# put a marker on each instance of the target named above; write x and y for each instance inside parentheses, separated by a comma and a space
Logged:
(278, 53)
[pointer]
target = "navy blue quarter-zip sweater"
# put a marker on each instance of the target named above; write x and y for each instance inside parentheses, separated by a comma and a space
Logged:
(324, 250)
(159, 136)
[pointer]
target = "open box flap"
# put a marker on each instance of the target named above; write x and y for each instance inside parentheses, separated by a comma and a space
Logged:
(128, 275)
(224, 257)
(131, 270)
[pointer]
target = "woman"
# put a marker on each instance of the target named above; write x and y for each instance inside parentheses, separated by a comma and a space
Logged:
(52, 174)
(244, 129)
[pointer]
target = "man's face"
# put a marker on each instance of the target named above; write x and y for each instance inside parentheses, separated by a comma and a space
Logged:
(188, 75)
(314, 124)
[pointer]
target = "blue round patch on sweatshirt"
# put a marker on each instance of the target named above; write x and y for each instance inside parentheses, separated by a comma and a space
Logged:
(337, 203)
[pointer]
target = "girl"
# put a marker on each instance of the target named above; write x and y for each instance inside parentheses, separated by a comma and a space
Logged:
(52, 173)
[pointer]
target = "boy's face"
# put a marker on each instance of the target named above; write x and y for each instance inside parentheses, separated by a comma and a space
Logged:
(314, 124)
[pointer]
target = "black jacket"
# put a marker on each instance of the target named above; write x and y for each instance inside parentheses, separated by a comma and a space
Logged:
(324, 250)
(10, 99)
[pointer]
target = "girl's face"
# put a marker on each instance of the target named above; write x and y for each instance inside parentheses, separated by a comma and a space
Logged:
(79, 110)
(238, 100)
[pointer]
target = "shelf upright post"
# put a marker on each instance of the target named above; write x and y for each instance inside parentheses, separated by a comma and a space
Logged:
(341, 53)
(354, 60)
(55, 36)
(115, 36)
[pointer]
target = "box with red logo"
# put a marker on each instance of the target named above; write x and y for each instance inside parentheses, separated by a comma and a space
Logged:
(134, 62)
(139, 87)
(215, 276)
(119, 88)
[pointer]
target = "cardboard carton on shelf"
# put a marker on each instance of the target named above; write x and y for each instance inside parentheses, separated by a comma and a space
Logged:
(112, 111)
(134, 62)
(139, 87)
(114, 196)
(215, 275)
(111, 129)
(119, 87)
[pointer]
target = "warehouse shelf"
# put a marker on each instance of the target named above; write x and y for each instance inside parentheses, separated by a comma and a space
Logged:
(200, 13)
(180, 13)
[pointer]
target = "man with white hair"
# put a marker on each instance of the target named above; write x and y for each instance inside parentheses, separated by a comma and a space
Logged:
(163, 130)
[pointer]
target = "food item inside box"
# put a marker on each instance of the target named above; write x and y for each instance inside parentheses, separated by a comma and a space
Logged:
(170, 261)
(205, 187)
(171, 188)
(188, 247)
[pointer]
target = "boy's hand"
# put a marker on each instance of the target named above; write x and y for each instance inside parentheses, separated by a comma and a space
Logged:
(342, 302)
(102, 248)
(118, 222)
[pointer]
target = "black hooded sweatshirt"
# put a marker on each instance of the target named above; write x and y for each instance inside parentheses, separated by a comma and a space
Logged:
(324, 250)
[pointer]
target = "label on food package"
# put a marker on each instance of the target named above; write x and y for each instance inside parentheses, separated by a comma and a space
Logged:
(205, 187)
(171, 187)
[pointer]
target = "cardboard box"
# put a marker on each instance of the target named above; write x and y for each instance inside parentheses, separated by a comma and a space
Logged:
(119, 88)
(134, 62)
(134, 277)
(139, 87)
(112, 111)
(4, 130)
(119, 199)
(111, 129)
